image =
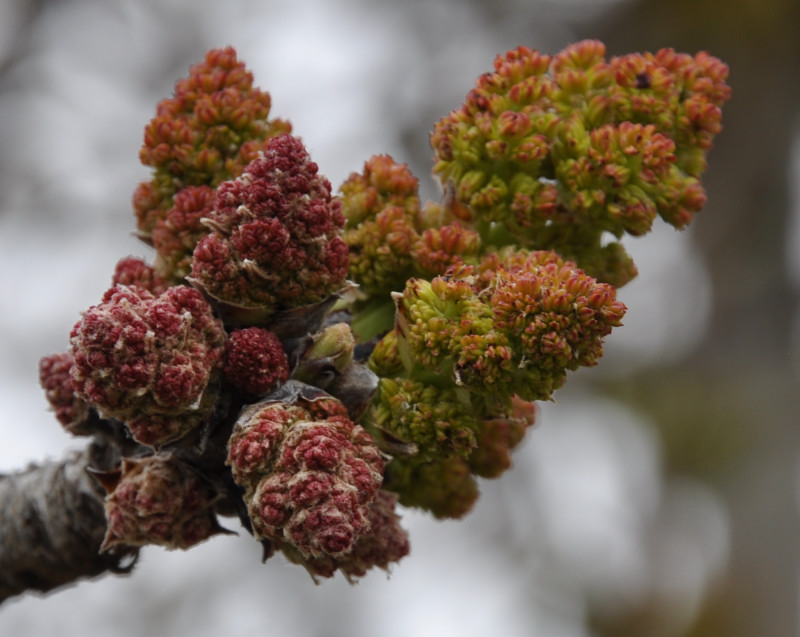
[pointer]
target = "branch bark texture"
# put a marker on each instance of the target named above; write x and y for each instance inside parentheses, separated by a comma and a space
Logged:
(52, 524)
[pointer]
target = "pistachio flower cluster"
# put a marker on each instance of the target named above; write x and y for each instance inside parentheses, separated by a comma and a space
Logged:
(554, 152)
(468, 353)
(148, 360)
(310, 477)
(274, 240)
(392, 238)
(213, 126)
(158, 500)
(241, 373)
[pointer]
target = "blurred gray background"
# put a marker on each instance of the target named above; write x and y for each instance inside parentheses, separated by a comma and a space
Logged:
(657, 496)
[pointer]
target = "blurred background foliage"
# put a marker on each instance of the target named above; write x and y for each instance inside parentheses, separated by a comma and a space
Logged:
(658, 495)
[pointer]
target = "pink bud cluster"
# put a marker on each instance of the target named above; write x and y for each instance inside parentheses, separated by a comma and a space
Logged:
(310, 478)
(158, 500)
(149, 360)
(274, 240)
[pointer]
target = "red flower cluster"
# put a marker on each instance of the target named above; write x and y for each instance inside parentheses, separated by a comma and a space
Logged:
(310, 478)
(255, 361)
(149, 360)
(158, 500)
(56, 380)
(275, 234)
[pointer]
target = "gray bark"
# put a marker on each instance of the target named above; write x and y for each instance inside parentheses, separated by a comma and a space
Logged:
(52, 524)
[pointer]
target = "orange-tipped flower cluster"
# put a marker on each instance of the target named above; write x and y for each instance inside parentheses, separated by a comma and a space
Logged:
(469, 352)
(214, 125)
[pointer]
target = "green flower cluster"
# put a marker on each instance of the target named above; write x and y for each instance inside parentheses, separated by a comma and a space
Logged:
(561, 152)
(469, 352)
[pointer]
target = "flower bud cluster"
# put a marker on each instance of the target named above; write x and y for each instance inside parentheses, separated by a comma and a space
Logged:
(392, 237)
(213, 126)
(275, 234)
(132, 271)
(310, 477)
(56, 380)
(255, 361)
(558, 150)
(148, 360)
(158, 500)
(469, 352)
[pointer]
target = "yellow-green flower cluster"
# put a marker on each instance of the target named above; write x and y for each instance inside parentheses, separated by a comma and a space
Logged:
(558, 152)
(469, 352)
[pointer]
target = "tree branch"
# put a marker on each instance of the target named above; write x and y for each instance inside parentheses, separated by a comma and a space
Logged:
(53, 524)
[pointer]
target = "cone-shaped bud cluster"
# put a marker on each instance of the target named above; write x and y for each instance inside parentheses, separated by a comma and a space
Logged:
(56, 380)
(309, 476)
(158, 500)
(148, 360)
(213, 126)
(274, 240)
(559, 150)
(255, 361)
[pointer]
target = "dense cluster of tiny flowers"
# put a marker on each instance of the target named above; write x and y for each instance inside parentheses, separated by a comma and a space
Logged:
(213, 126)
(469, 352)
(158, 500)
(275, 234)
(518, 335)
(310, 476)
(132, 271)
(149, 360)
(255, 361)
(445, 487)
(392, 237)
(243, 373)
(552, 152)
(56, 380)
